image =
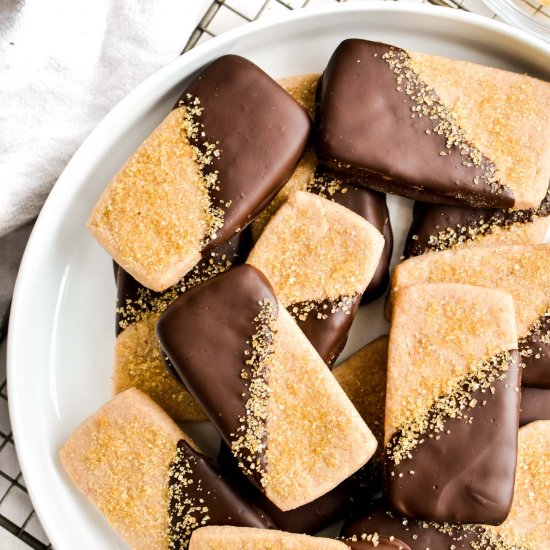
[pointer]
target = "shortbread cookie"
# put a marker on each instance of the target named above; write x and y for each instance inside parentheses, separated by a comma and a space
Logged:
(243, 538)
(522, 271)
(379, 520)
(535, 405)
(310, 176)
(527, 525)
(302, 88)
(437, 227)
(146, 476)
(452, 403)
(309, 518)
(138, 359)
(231, 142)
(525, 528)
(363, 377)
(139, 363)
(232, 538)
(319, 257)
(439, 130)
(263, 386)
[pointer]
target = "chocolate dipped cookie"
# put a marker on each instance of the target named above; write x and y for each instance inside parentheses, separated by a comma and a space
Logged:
(437, 227)
(228, 146)
(434, 129)
(522, 271)
(452, 404)
(319, 257)
(147, 477)
(139, 362)
(288, 423)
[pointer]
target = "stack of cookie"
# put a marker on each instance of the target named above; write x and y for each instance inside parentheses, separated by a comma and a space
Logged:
(248, 229)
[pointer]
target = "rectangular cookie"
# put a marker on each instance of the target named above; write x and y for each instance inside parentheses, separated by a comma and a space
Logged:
(319, 258)
(229, 145)
(522, 271)
(452, 403)
(231, 538)
(275, 404)
(437, 227)
(139, 362)
(525, 528)
(241, 538)
(438, 130)
(147, 477)
(363, 377)
(379, 520)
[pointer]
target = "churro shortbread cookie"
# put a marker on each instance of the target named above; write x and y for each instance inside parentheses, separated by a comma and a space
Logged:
(525, 528)
(319, 257)
(147, 478)
(363, 377)
(231, 142)
(438, 130)
(310, 176)
(139, 362)
(437, 227)
(287, 421)
(522, 271)
(233, 538)
(378, 520)
(452, 403)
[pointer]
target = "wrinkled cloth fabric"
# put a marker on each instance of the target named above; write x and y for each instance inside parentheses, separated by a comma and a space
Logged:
(63, 65)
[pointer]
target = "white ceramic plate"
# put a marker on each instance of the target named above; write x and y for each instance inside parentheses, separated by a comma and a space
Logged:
(62, 324)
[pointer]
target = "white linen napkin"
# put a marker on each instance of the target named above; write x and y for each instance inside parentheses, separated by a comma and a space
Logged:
(63, 65)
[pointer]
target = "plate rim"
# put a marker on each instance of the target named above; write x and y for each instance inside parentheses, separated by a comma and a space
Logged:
(59, 195)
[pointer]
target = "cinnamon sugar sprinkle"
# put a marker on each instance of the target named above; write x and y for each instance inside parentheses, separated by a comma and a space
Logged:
(428, 104)
(148, 301)
(204, 154)
(539, 332)
(187, 511)
(454, 404)
(249, 443)
(323, 308)
(451, 236)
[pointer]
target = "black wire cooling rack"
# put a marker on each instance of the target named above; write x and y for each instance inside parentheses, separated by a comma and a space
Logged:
(16, 512)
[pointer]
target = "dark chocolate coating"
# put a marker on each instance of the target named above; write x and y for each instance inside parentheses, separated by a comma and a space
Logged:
(419, 535)
(535, 351)
(430, 219)
(260, 131)
(535, 405)
(364, 126)
(467, 474)
(328, 336)
(310, 518)
(128, 289)
(382, 543)
(209, 490)
(205, 334)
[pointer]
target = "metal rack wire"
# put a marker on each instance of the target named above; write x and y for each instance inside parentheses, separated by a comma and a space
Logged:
(16, 513)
